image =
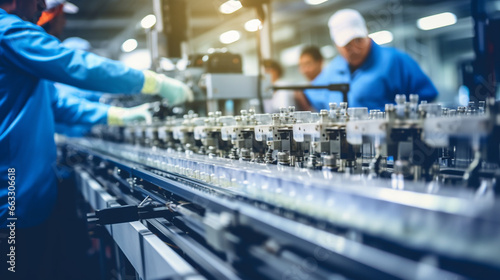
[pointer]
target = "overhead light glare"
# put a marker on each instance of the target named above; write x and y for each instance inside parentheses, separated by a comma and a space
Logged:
(229, 37)
(230, 7)
(315, 2)
(382, 37)
(252, 25)
(148, 21)
(129, 45)
(436, 21)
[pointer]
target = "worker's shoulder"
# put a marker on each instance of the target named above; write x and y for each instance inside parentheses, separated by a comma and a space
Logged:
(7, 19)
(394, 53)
(9, 22)
(338, 63)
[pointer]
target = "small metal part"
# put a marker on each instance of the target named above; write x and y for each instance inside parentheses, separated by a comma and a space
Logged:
(233, 154)
(283, 158)
(269, 156)
(414, 98)
(400, 99)
(276, 119)
(212, 151)
(312, 162)
(329, 160)
(245, 154)
(323, 115)
(461, 110)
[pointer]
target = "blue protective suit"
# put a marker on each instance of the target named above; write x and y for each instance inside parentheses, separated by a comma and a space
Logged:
(88, 98)
(385, 73)
(30, 61)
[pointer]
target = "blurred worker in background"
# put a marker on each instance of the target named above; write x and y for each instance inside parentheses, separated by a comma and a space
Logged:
(281, 98)
(375, 74)
(310, 62)
(310, 65)
(53, 19)
(30, 62)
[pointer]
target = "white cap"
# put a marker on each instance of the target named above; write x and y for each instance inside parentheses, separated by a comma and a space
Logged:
(346, 25)
(68, 8)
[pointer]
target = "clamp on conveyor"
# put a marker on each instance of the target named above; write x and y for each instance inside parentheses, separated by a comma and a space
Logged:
(130, 213)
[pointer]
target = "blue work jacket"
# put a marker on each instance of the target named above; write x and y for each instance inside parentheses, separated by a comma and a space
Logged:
(30, 62)
(88, 99)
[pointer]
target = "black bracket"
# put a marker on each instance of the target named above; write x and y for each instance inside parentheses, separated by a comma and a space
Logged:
(129, 213)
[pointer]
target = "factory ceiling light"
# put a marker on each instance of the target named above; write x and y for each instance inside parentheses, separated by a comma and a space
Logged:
(315, 2)
(436, 21)
(229, 37)
(382, 37)
(148, 21)
(129, 45)
(230, 7)
(252, 25)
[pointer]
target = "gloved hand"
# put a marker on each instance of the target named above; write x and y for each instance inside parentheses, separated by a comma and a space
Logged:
(175, 91)
(124, 116)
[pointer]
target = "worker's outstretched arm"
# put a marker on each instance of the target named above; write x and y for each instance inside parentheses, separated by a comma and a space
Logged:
(29, 48)
(70, 109)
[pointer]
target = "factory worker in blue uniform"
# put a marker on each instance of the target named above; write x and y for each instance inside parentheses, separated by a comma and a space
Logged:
(30, 62)
(375, 74)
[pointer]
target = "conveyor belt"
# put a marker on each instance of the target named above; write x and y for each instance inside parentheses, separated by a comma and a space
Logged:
(307, 233)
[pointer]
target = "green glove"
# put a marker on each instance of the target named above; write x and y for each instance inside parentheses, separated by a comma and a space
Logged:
(175, 91)
(124, 116)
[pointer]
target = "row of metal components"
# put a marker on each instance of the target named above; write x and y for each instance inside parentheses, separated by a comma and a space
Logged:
(412, 140)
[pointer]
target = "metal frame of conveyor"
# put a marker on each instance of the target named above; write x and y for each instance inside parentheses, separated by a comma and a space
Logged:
(220, 234)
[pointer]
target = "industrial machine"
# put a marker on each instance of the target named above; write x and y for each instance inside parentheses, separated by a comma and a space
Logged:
(346, 193)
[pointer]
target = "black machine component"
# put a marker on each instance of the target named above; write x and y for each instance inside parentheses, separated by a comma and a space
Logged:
(128, 213)
(195, 60)
(222, 62)
(174, 26)
(487, 49)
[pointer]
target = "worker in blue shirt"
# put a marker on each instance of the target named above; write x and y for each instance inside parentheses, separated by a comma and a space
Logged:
(30, 61)
(375, 74)
(28, 57)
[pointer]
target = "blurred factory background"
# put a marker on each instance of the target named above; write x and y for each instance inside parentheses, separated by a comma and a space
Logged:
(441, 48)
(205, 164)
